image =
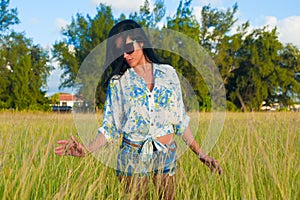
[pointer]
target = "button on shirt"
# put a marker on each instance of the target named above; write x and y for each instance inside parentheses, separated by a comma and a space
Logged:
(142, 115)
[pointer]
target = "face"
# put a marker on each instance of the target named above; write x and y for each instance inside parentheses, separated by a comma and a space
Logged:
(133, 52)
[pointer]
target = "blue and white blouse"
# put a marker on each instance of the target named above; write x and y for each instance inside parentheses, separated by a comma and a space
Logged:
(141, 115)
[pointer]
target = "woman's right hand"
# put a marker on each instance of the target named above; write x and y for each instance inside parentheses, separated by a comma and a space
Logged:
(70, 148)
(213, 164)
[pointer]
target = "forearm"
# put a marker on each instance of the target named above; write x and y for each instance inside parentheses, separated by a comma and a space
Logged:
(99, 142)
(194, 146)
(191, 142)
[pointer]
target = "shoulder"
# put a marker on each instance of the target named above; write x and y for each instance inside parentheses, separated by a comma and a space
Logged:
(118, 81)
(114, 82)
(165, 68)
(168, 73)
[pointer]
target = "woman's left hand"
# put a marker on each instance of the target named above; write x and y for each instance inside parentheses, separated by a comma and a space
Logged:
(213, 164)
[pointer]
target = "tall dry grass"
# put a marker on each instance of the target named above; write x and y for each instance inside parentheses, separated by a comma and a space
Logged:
(259, 153)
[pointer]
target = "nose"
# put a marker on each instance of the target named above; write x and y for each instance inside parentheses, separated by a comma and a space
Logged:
(125, 55)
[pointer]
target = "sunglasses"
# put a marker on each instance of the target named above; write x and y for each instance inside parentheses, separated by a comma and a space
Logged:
(128, 48)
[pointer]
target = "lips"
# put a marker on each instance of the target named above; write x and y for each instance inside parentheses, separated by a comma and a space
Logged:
(129, 60)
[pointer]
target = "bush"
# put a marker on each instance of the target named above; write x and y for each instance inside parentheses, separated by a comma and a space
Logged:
(230, 106)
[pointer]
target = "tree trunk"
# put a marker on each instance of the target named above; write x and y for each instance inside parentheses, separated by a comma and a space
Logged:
(241, 101)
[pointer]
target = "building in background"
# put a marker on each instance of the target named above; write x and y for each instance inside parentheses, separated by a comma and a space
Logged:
(65, 102)
(66, 99)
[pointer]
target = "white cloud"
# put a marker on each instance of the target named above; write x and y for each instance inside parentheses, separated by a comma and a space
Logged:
(121, 5)
(160, 24)
(197, 12)
(288, 28)
(271, 21)
(54, 81)
(61, 23)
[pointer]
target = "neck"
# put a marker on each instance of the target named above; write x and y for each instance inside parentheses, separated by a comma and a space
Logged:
(144, 69)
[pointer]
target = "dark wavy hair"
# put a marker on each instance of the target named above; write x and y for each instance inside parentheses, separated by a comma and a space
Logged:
(116, 64)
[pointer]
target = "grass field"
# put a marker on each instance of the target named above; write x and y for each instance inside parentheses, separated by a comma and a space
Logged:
(259, 153)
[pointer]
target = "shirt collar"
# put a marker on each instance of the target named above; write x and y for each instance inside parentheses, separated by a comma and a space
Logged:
(155, 67)
(159, 68)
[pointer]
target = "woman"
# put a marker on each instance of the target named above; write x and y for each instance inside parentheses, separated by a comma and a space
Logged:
(143, 105)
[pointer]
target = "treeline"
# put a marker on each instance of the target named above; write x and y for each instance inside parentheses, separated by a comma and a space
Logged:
(24, 66)
(254, 65)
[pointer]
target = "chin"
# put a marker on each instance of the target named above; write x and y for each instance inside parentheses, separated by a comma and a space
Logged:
(132, 65)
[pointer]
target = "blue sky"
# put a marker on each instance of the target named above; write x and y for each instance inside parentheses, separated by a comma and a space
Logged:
(42, 20)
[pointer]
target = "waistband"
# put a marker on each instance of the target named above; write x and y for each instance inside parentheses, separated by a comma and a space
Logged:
(148, 147)
(140, 144)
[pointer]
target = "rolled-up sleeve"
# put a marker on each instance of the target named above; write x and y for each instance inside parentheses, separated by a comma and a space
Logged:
(182, 120)
(113, 114)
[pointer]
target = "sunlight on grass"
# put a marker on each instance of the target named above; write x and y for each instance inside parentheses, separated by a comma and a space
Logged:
(259, 153)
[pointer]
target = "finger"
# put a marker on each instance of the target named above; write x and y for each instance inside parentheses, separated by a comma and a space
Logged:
(212, 169)
(60, 148)
(214, 163)
(220, 170)
(74, 139)
(62, 142)
(211, 165)
(217, 167)
(60, 152)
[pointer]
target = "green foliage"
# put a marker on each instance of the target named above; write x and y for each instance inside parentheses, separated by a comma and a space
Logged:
(80, 38)
(260, 70)
(215, 26)
(185, 22)
(25, 72)
(8, 17)
(254, 64)
(147, 17)
(24, 66)
(54, 99)
(231, 107)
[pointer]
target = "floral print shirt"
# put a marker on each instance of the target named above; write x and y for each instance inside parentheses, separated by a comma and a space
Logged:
(139, 114)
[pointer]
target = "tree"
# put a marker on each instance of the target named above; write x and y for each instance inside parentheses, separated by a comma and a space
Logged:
(264, 70)
(215, 27)
(184, 21)
(8, 17)
(54, 99)
(287, 72)
(254, 65)
(147, 17)
(25, 73)
(80, 38)
(24, 66)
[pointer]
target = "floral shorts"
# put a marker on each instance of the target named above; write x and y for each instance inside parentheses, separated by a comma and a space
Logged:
(129, 161)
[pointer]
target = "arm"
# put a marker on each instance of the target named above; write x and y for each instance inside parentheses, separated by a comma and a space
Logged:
(74, 148)
(194, 146)
(100, 141)
(111, 119)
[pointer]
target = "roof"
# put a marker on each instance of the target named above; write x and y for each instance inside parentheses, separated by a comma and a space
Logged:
(69, 97)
